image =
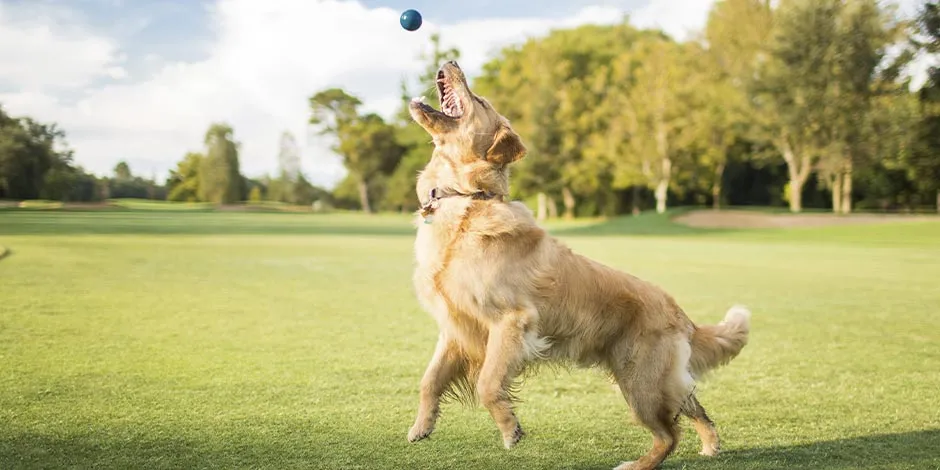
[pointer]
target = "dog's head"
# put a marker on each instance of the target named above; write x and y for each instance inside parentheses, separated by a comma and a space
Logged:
(467, 131)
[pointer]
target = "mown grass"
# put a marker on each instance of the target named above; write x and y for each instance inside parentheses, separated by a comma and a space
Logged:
(233, 340)
(156, 205)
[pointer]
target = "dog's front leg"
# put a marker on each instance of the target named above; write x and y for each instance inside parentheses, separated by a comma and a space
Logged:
(443, 368)
(505, 356)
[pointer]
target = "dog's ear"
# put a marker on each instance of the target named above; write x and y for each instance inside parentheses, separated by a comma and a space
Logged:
(507, 146)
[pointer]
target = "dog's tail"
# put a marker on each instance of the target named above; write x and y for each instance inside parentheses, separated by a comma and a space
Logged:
(716, 345)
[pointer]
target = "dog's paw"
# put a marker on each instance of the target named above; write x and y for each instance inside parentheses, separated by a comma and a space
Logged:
(419, 432)
(512, 439)
(710, 450)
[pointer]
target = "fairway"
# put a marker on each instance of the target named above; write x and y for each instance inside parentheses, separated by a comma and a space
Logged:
(137, 339)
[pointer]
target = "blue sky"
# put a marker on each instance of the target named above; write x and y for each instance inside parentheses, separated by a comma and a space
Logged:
(142, 80)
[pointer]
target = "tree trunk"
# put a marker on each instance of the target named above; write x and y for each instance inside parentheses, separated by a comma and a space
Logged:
(798, 170)
(662, 186)
(847, 187)
(542, 211)
(835, 183)
(364, 196)
(716, 186)
(568, 199)
(796, 195)
(661, 192)
(552, 208)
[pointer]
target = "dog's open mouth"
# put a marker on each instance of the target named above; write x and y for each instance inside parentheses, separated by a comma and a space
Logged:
(451, 104)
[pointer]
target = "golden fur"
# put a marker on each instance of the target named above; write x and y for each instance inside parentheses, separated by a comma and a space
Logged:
(506, 295)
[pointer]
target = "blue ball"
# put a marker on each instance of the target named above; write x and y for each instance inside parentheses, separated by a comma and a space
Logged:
(410, 20)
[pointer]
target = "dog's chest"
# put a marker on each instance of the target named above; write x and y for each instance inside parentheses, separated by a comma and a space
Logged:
(429, 261)
(446, 282)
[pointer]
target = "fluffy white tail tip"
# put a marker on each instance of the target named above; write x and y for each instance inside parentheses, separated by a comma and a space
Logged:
(738, 314)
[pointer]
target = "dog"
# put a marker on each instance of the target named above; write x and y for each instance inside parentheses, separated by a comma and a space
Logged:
(506, 295)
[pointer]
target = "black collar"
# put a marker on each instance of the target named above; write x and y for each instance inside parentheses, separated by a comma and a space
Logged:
(436, 194)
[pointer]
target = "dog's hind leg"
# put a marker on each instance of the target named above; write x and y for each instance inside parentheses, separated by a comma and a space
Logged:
(655, 384)
(704, 426)
(506, 351)
(444, 368)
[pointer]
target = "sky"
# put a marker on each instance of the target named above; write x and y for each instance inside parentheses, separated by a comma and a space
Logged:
(142, 80)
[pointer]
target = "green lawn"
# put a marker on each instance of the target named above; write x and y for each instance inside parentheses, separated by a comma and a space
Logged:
(238, 340)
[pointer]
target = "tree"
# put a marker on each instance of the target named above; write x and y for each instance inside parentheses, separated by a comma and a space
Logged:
(886, 181)
(255, 194)
(290, 186)
(400, 186)
(220, 179)
(794, 86)
(736, 38)
(924, 161)
(370, 152)
(551, 89)
(718, 120)
(864, 31)
(433, 59)
(28, 150)
(122, 171)
(524, 84)
(183, 182)
(305, 193)
(651, 98)
(126, 185)
(366, 143)
(67, 182)
(288, 157)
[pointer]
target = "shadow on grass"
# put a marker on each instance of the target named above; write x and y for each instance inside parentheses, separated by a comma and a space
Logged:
(913, 450)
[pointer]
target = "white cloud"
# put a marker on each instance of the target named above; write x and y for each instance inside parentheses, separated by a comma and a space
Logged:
(38, 51)
(678, 18)
(266, 60)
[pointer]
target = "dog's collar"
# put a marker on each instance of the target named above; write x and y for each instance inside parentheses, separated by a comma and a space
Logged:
(436, 194)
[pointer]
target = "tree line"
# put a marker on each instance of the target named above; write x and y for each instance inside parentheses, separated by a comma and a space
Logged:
(215, 174)
(35, 163)
(801, 103)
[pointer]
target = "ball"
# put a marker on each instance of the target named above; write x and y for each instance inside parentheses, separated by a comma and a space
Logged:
(410, 20)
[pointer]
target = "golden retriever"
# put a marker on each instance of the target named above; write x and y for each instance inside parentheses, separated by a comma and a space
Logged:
(506, 295)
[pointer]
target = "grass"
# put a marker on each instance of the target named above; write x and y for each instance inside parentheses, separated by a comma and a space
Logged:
(265, 340)
(41, 204)
(155, 205)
